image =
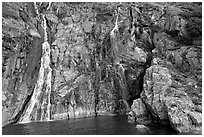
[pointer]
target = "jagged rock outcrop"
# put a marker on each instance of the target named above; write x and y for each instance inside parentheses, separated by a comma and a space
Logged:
(139, 113)
(181, 113)
(166, 100)
(172, 85)
(156, 82)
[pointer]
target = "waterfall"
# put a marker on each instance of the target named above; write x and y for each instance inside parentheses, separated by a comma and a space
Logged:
(114, 41)
(123, 82)
(112, 33)
(46, 49)
(43, 85)
(116, 49)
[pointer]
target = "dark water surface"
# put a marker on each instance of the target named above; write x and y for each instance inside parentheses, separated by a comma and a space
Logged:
(101, 125)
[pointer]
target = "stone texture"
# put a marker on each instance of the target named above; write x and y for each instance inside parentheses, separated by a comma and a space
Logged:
(140, 55)
(167, 101)
(181, 57)
(178, 105)
(142, 128)
(139, 113)
(156, 82)
(86, 81)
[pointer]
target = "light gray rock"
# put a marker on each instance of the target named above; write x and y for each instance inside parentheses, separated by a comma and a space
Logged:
(140, 55)
(156, 82)
(142, 128)
(139, 113)
(169, 103)
(178, 106)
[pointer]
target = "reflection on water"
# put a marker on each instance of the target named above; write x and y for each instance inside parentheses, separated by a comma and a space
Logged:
(101, 125)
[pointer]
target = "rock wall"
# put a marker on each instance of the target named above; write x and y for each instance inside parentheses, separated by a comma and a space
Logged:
(103, 58)
(167, 101)
(172, 85)
(21, 48)
(85, 39)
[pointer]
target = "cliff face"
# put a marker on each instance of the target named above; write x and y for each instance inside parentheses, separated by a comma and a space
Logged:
(172, 88)
(66, 60)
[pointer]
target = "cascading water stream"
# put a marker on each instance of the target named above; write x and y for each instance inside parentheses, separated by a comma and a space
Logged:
(116, 48)
(43, 86)
(46, 50)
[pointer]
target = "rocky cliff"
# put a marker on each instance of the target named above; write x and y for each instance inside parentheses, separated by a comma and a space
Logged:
(68, 60)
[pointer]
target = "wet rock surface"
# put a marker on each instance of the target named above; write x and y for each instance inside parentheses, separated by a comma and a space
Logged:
(105, 58)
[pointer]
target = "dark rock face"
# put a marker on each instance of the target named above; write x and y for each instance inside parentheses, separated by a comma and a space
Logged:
(68, 60)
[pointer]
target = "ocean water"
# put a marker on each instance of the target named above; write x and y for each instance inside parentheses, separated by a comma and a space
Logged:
(100, 125)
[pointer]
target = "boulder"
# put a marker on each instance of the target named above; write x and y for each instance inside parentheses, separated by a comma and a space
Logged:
(142, 128)
(131, 117)
(178, 106)
(156, 82)
(139, 113)
(168, 102)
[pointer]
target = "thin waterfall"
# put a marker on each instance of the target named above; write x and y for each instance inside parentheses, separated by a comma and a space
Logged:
(116, 49)
(114, 41)
(46, 49)
(43, 85)
(123, 83)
